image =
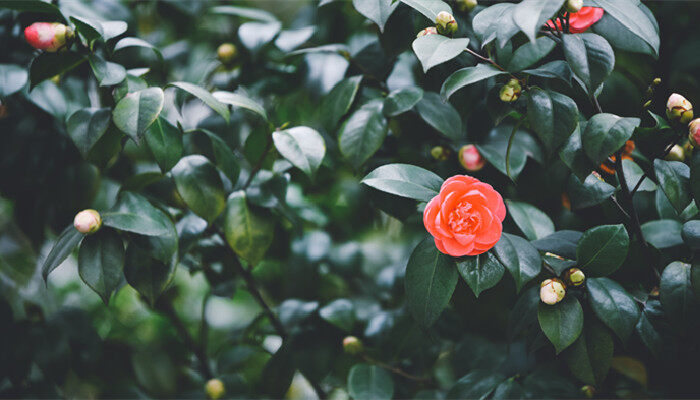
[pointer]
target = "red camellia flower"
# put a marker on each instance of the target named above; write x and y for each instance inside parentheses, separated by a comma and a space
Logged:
(49, 36)
(580, 22)
(465, 218)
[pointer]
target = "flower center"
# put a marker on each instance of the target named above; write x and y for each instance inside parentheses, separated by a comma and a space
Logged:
(463, 219)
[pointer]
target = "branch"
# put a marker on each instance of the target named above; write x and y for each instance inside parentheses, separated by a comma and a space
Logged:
(396, 370)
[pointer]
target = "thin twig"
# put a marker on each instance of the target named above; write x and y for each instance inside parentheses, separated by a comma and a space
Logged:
(639, 183)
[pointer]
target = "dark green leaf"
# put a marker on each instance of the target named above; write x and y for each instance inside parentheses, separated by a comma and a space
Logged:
(200, 186)
(149, 276)
(562, 243)
(429, 8)
(477, 384)
(495, 22)
(431, 278)
(663, 233)
(552, 116)
(165, 141)
(137, 111)
(695, 175)
(676, 292)
(302, 146)
(530, 53)
(613, 305)
(532, 222)
(363, 133)
(524, 312)
(249, 231)
(107, 73)
(38, 6)
(573, 155)
(561, 323)
(558, 69)
(591, 192)
(242, 101)
(467, 76)
(520, 258)
(589, 357)
(605, 134)
(433, 50)
(136, 42)
(590, 57)
(101, 262)
(674, 180)
(602, 249)
(440, 115)
(86, 126)
(401, 100)
(48, 65)
(339, 100)
(481, 272)
(340, 313)
(244, 12)
(630, 14)
(12, 79)
(530, 15)
(633, 173)
(370, 382)
(378, 11)
(134, 213)
(405, 180)
(64, 245)
(691, 234)
(224, 158)
(205, 96)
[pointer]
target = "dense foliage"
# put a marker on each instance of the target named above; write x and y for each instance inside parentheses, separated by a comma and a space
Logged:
(267, 199)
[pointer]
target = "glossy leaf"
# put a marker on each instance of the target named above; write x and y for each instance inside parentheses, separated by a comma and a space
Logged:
(561, 323)
(106, 72)
(530, 15)
(378, 11)
(302, 146)
(339, 100)
(165, 141)
(591, 58)
(562, 243)
(590, 356)
(429, 8)
(149, 276)
(676, 292)
(101, 262)
(605, 134)
(630, 14)
(691, 234)
(557, 69)
(12, 79)
(477, 384)
(202, 94)
(340, 313)
(248, 231)
(370, 382)
(440, 115)
(532, 222)
(674, 180)
(405, 180)
(431, 277)
(363, 133)
(552, 116)
(530, 53)
(48, 65)
(200, 186)
(433, 50)
(481, 272)
(467, 76)
(242, 101)
(591, 192)
(520, 258)
(663, 233)
(495, 22)
(602, 250)
(401, 100)
(135, 113)
(66, 242)
(613, 305)
(86, 126)
(133, 213)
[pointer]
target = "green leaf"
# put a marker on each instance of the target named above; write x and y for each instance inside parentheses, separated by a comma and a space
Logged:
(532, 222)
(363, 133)
(340, 313)
(134, 213)
(613, 305)
(590, 57)
(302, 146)
(401, 100)
(480, 272)
(649, 336)
(255, 35)
(691, 234)
(242, 101)
(602, 250)
(136, 42)
(630, 14)
(605, 134)
(12, 79)
(663, 233)
(495, 148)
(149, 276)
(378, 11)
(562, 243)
(107, 73)
(64, 245)
(674, 180)
(520, 258)
(530, 53)
(561, 323)
(224, 158)
(573, 155)
(47, 65)
(431, 277)
(89, 29)
(202, 94)
(165, 141)
(676, 293)
(467, 76)
(523, 314)
(552, 116)
(101, 262)
(112, 29)
(86, 126)
(200, 186)
(38, 6)
(135, 113)
(495, 22)
(531, 15)
(440, 115)
(432, 50)
(370, 382)
(429, 8)
(633, 173)
(557, 69)
(695, 175)
(338, 101)
(477, 384)
(249, 231)
(589, 357)
(244, 12)
(591, 192)
(405, 180)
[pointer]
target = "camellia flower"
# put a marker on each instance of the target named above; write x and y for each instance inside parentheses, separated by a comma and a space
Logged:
(470, 158)
(49, 36)
(466, 218)
(579, 22)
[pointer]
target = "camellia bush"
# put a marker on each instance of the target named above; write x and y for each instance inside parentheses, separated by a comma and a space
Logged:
(364, 199)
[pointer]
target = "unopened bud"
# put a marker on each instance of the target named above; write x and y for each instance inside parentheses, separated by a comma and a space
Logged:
(574, 6)
(574, 277)
(656, 81)
(552, 291)
(49, 36)
(466, 5)
(694, 132)
(676, 154)
(431, 30)
(440, 153)
(353, 345)
(214, 389)
(588, 391)
(688, 148)
(679, 109)
(87, 221)
(511, 91)
(226, 53)
(470, 158)
(446, 24)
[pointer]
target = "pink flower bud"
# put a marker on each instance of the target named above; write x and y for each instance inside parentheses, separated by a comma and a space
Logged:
(87, 221)
(446, 24)
(49, 36)
(552, 291)
(431, 30)
(694, 132)
(470, 158)
(678, 108)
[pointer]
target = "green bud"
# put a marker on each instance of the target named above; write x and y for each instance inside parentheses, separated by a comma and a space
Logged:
(656, 81)
(588, 391)
(214, 389)
(466, 5)
(574, 277)
(676, 154)
(353, 345)
(679, 109)
(440, 153)
(446, 24)
(511, 91)
(226, 53)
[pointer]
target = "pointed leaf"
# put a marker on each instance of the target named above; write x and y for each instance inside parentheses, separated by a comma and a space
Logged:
(480, 272)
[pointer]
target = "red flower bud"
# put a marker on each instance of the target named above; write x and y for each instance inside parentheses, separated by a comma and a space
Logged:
(49, 36)
(470, 158)
(694, 132)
